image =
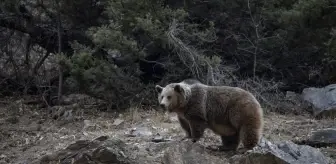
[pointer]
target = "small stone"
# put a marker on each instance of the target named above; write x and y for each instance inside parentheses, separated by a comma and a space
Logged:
(158, 139)
(88, 125)
(3, 156)
(173, 119)
(35, 114)
(147, 149)
(122, 154)
(118, 122)
(102, 138)
(87, 122)
(140, 131)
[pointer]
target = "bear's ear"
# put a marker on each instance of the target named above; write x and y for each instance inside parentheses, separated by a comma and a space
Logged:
(178, 89)
(158, 88)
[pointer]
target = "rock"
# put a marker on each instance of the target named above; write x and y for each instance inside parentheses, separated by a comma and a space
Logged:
(322, 99)
(102, 138)
(63, 112)
(3, 159)
(189, 153)
(111, 152)
(324, 136)
(90, 126)
(118, 121)
(99, 151)
(140, 131)
(266, 153)
(103, 150)
(158, 138)
(321, 138)
(281, 153)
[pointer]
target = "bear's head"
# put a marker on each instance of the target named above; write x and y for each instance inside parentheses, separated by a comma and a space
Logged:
(173, 97)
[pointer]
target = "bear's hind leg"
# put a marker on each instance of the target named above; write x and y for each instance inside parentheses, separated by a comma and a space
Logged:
(250, 136)
(230, 142)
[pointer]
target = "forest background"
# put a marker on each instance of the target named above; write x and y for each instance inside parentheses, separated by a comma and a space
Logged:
(117, 50)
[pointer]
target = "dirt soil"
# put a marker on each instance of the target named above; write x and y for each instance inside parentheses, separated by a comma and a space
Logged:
(26, 133)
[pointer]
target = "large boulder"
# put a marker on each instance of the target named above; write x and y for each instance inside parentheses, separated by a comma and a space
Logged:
(327, 136)
(266, 153)
(321, 138)
(322, 99)
(189, 153)
(104, 150)
(285, 152)
(99, 151)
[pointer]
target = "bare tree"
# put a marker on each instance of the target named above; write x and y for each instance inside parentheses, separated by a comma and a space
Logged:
(256, 42)
(251, 43)
(190, 56)
(59, 35)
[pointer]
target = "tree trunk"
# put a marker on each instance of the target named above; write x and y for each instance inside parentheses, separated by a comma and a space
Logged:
(60, 70)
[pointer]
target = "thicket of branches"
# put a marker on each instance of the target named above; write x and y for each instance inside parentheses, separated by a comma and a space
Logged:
(117, 50)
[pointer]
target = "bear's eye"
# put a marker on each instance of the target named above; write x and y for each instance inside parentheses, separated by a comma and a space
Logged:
(168, 97)
(161, 97)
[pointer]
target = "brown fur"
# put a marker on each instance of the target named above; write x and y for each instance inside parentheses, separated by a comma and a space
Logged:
(231, 112)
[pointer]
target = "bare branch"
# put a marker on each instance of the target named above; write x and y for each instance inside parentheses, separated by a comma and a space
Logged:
(185, 52)
(59, 35)
(188, 54)
(40, 62)
(256, 28)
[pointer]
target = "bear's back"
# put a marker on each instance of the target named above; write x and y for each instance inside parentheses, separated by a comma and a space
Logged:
(218, 99)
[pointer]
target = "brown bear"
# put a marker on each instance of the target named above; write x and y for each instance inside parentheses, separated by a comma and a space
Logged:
(231, 112)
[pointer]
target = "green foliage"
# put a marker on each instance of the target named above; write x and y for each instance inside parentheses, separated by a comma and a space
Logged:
(189, 38)
(133, 25)
(149, 19)
(101, 79)
(304, 24)
(9, 6)
(111, 36)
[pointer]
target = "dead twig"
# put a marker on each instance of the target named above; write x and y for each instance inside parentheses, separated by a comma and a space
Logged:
(188, 54)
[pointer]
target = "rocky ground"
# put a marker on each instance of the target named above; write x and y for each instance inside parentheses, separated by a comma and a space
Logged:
(28, 135)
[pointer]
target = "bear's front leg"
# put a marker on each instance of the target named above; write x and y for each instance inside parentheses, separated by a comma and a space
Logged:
(185, 126)
(197, 130)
